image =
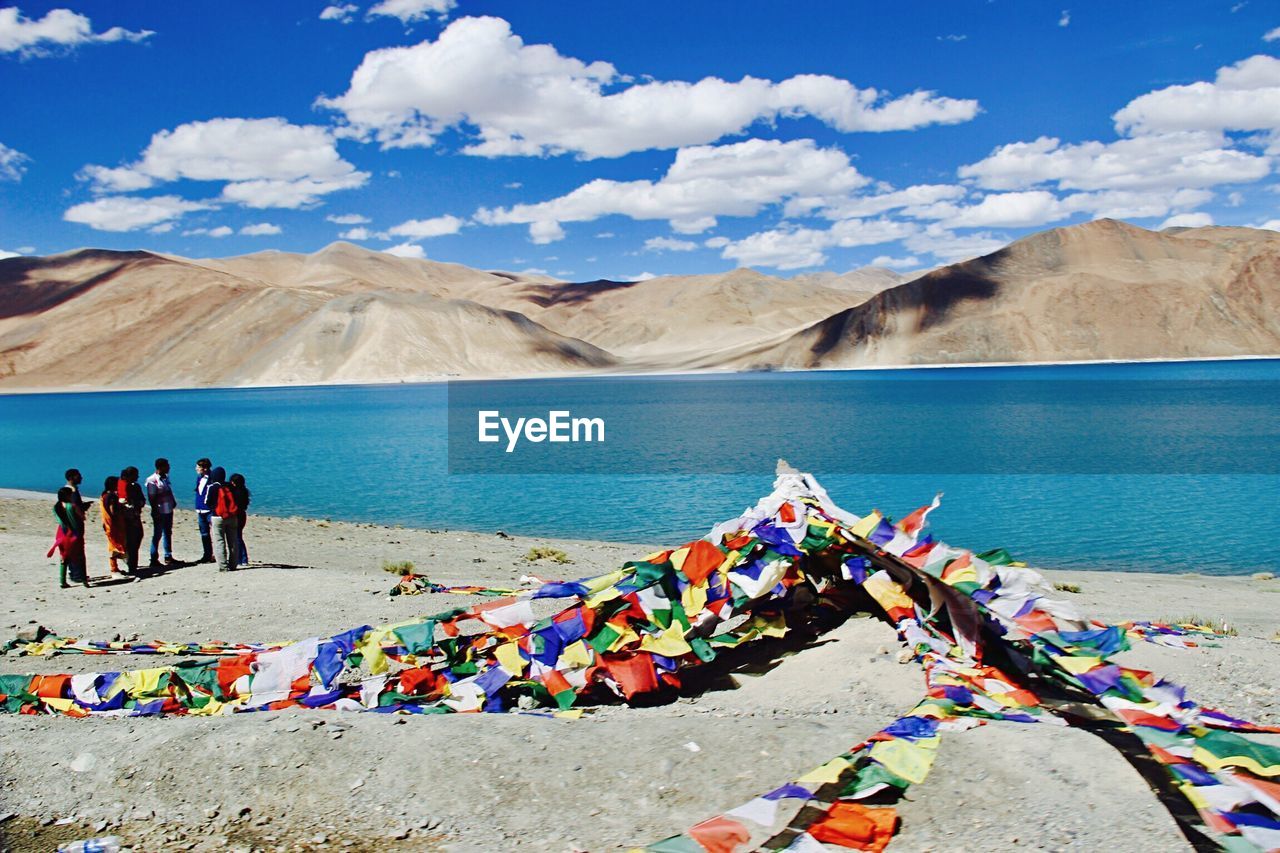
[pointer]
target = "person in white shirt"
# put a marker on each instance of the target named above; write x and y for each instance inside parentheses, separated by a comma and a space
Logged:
(163, 503)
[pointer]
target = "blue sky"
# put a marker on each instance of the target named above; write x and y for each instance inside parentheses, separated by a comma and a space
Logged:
(613, 140)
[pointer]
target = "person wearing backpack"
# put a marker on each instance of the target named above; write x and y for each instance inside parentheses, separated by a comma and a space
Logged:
(224, 522)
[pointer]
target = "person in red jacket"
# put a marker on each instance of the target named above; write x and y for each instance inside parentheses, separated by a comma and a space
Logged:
(224, 520)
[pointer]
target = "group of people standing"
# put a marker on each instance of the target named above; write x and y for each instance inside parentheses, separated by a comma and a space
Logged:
(221, 505)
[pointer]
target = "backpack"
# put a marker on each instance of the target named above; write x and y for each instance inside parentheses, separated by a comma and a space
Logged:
(226, 506)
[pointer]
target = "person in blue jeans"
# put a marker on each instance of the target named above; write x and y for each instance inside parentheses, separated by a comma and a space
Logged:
(163, 503)
(203, 467)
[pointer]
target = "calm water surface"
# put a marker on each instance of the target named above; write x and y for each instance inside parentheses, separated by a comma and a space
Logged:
(380, 453)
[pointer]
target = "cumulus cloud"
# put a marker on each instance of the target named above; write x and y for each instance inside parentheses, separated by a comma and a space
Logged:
(702, 183)
(407, 250)
(669, 244)
(409, 11)
(1272, 35)
(342, 13)
(129, 213)
(360, 233)
(545, 231)
(59, 29)
(220, 231)
(949, 247)
(347, 219)
(1186, 220)
(6, 254)
(438, 226)
(1243, 96)
(848, 207)
(531, 100)
(910, 262)
(261, 229)
(1064, 20)
(795, 248)
(1271, 225)
(265, 162)
(1161, 161)
(13, 163)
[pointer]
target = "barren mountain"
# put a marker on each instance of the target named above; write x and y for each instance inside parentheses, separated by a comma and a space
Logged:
(135, 319)
(1101, 290)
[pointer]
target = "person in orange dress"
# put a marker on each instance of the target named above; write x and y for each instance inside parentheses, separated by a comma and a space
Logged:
(113, 522)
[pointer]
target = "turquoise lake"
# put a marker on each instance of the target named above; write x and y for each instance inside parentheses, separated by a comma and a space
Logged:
(1170, 467)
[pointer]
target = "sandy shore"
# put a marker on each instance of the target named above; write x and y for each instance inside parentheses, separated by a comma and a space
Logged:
(617, 777)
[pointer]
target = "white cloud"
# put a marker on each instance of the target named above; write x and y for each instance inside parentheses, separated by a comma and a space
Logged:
(409, 11)
(794, 248)
(668, 244)
(129, 213)
(359, 233)
(703, 182)
(1271, 225)
(343, 13)
(1272, 35)
(530, 100)
(956, 37)
(716, 242)
(846, 207)
(1009, 210)
(606, 235)
(1161, 161)
(545, 231)
(643, 276)
(1186, 220)
(438, 226)
(220, 231)
(5, 254)
(694, 225)
(59, 28)
(261, 229)
(910, 262)
(1243, 96)
(13, 163)
(513, 185)
(26, 250)
(266, 162)
(950, 247)
(1064, 20)
(407, 250)
(347, 219)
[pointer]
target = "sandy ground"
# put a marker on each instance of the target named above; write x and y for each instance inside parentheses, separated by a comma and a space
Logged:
(619, 776)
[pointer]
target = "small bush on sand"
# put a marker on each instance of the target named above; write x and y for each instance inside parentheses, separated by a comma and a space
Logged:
(1067, 587)
(404, 567)
(555, 555)
(1218, 626)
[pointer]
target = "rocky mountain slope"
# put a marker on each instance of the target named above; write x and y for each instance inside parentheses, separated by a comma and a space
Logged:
(345, 314)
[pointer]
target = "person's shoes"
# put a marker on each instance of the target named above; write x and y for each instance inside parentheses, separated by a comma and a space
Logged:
(169, 561)
(85, 584)
(206, 560)
(65, 586)
(154, 564)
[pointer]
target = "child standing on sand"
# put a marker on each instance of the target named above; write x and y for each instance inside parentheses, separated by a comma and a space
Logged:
(69, 540)
(113, 522)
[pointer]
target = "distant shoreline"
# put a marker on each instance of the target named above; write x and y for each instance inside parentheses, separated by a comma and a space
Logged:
(658, 374)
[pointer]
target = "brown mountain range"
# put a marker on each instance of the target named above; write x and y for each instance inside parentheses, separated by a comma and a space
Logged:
(1103, 290)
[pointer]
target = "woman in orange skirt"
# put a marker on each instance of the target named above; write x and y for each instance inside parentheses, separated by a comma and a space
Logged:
(113, 522)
